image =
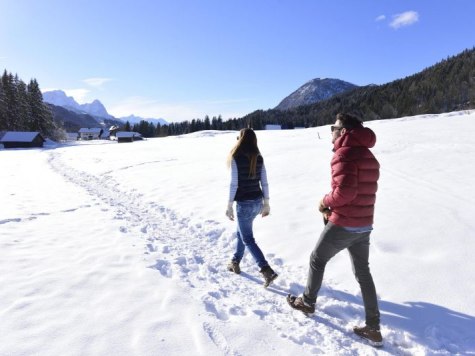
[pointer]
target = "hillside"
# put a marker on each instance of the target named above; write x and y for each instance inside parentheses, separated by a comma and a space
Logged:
(446, 86)
(72, 121)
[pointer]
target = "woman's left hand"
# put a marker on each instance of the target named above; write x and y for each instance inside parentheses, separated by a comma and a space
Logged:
(265, 208)
(230, 211)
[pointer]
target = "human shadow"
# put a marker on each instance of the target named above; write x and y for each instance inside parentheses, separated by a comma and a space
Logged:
(272, 288)
(432, 326)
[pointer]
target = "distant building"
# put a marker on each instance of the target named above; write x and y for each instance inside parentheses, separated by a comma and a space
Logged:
(273, 127)
(21, 139)
(93, 133)
(72, 136)
(113, 132)
(126, 136)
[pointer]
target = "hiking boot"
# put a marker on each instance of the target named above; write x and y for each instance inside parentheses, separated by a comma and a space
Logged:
(372, 335)
(299, 304)
(233, 266)
(269, 275)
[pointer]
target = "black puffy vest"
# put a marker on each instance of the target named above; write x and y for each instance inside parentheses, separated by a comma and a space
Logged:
(249, 188)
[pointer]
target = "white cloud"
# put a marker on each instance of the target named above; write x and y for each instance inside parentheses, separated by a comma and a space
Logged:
(96, 82)
(405, 19)
(380, 18)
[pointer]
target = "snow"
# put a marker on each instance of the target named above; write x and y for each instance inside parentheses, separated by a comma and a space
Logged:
(109, 249)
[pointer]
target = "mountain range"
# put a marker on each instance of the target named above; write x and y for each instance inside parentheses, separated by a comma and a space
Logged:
(74, 115)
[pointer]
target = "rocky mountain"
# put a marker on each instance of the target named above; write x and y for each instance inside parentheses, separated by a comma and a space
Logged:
(85, 112)
(59, 98)
(314, 91)
(96, 109)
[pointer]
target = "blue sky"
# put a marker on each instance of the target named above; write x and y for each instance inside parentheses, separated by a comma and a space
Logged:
(184, 59)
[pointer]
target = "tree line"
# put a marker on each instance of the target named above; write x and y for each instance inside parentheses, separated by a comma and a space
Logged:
(148, 129)
(22, 108)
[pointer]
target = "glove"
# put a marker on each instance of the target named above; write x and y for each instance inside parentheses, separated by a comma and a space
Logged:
(322, 208)
(265, 208)
(230, 211)
(326, 211)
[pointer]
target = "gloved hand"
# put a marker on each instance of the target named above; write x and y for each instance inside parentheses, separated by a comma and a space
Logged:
(321, 207)
(265, 208)
(230, 211)
(326, 211)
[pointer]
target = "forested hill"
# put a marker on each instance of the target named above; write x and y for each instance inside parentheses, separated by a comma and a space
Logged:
(446, 86)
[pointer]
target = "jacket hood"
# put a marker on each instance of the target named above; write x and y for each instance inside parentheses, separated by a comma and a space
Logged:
(357, 137)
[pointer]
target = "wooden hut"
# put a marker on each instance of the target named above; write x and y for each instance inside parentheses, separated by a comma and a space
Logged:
(126, 136)
(21, 139)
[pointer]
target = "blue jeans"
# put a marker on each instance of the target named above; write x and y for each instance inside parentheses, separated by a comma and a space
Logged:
(246, 212)
(332, 240)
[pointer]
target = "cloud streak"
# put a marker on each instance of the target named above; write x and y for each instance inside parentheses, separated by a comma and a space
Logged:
(96, 82)
(404, 19)
(380, 18)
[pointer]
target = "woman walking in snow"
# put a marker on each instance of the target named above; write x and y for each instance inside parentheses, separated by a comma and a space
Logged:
(250, 190)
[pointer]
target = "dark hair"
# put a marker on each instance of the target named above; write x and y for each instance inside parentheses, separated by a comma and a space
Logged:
(349, 121)
(246, 145)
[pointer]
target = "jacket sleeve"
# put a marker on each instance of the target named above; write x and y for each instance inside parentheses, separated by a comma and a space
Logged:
(264, 182)
(233, 185)
(344, 184)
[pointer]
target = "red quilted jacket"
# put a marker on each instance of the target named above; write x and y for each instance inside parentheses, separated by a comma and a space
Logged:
(355, 173)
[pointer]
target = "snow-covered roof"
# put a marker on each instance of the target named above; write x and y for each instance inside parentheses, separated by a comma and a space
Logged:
(90, 130)
(125, 134)
(273, 127)
(19, 136)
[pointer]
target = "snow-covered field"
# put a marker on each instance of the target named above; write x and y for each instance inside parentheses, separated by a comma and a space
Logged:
(121, 249)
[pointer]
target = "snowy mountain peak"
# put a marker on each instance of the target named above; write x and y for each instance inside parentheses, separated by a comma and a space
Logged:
(96, 108)
(59, 98)
(313, 91)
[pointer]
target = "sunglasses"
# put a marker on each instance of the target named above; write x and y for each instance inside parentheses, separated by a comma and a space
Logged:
(336, 128)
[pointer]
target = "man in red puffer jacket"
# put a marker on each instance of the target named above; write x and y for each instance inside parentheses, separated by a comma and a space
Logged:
(348, 213)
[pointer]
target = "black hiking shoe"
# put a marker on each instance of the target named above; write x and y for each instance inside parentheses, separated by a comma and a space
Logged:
(269, 275)
(233, 266)
(372, 335)
(298, 303)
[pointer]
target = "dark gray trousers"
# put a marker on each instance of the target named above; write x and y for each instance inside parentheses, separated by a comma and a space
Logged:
(332, 240)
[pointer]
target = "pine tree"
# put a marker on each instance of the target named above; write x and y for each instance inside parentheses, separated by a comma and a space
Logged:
(24, 113)
(3, 108)
(12, 115)
(39, 116)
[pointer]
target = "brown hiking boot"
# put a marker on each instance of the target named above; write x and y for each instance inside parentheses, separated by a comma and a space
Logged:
(299, 304)
(269, 275)
(233, 266)
(372, 335)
